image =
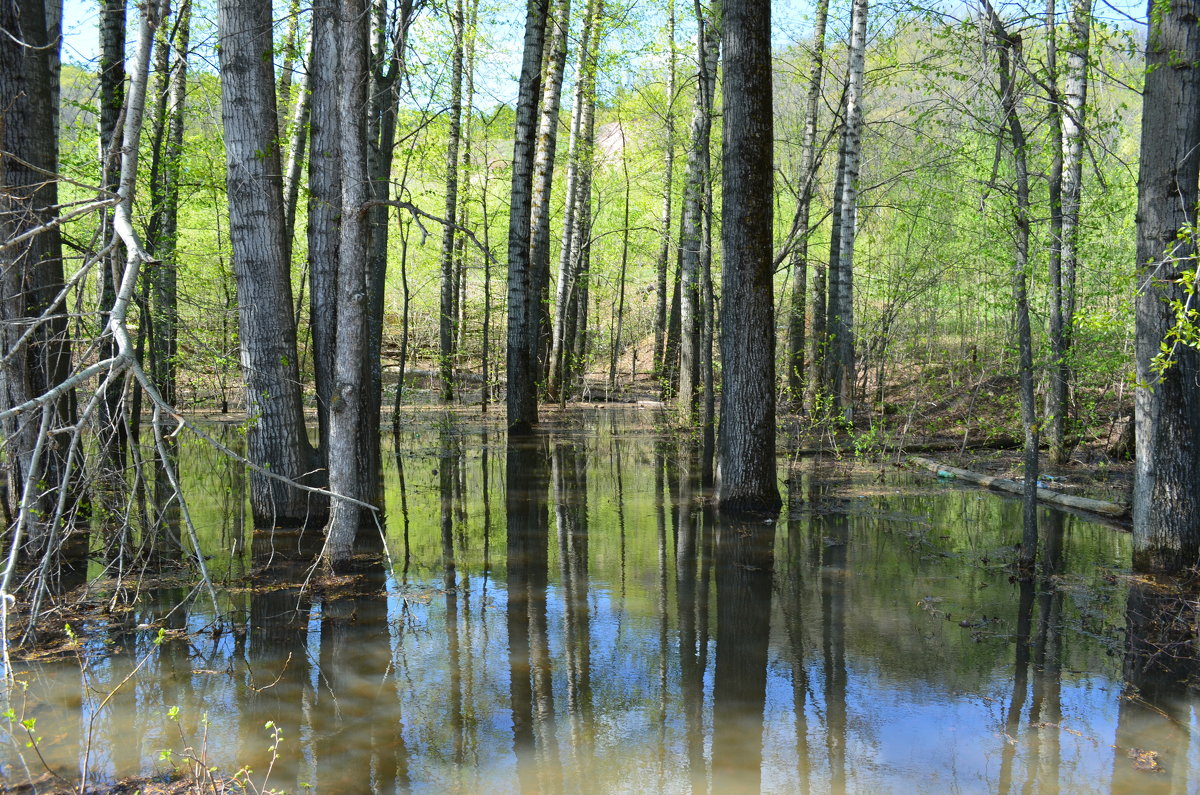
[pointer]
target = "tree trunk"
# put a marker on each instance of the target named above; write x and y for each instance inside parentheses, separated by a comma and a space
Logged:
(806, 177)
(324, 205)
(276, 440)
(297, 143)
(449, 305)
(522, 292)
(708, 44)
(1056, 392)
(843, 334)
(543, 168)
(1075, 101)
(31, 274)
(579, 166)
(346, 421)
(111, 433)
(1009, 62)
(664, 251)
(746, 473)
(1166, 502)
(381, 133)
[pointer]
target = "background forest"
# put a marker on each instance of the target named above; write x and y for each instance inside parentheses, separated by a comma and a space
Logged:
(935, 228)
(263, 210)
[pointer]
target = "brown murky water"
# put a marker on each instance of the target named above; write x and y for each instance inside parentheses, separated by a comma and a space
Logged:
(568, 615)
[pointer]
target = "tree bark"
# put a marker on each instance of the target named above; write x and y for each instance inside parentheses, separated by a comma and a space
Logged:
(746, 472)
(448, 303)
(664, 251)
(276, 439)
(806, 176)
(543, 176)
(346, 420)
(1075, 102)
(31, 274)
(522, 293)
(1166, 502)
(1010, 61)
(324, 205)
(577, 200)
(1056, 392)
(708, 44)
(843, 332)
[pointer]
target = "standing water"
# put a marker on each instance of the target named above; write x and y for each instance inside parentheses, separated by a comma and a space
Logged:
(569, 614)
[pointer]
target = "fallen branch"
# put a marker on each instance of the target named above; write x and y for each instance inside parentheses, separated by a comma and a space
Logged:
(1110, 509)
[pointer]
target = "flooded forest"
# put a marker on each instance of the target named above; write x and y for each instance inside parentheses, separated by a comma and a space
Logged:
(618, 396)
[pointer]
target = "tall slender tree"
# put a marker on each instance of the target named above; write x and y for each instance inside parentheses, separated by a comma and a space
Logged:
(1062, 306)
(543, 176)
(668, 189)
(691, 242)
(1009, 66)
(522, 292)
(746, 448)
(449, 306)
(806, 175)
(346, 421)
(577, 205)
(851, 156)
(276, 437)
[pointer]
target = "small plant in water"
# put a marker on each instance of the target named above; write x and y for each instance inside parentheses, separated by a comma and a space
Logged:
(192, 764)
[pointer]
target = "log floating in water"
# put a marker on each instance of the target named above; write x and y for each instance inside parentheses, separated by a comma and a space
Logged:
(1016, 487)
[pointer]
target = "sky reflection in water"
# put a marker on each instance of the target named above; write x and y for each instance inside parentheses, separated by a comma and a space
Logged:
(569, 615)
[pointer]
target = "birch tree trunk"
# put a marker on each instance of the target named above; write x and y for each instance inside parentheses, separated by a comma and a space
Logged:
(843, 383)
(522, 292)
(1166, 502)
(746, 469)
(543, 174)
(579, 163)
(111, 434)
(807, 179)
(276, 439)
(1074, 105)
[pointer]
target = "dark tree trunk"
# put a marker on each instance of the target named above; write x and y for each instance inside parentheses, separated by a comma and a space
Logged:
(31, 274)
(276, 440)
(708, 44)
(1009, 62)
(448, 298)
(522, 292)
(746, 449)
(324, 205)
(1166, 502)
(346, 421)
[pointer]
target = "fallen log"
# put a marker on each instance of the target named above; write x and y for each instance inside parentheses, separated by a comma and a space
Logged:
(1101, 507)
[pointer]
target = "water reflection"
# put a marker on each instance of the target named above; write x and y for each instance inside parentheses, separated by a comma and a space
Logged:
(569, 614)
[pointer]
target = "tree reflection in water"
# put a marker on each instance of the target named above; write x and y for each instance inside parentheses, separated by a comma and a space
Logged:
(623, 637)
